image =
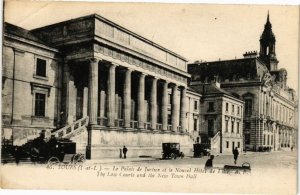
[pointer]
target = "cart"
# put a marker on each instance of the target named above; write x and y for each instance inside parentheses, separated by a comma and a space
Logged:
(53, 151)
(201, 150)
(171, 150)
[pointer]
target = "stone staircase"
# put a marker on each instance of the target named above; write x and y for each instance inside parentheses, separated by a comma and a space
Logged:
(215, 143)
(73, 129)
(76, 132)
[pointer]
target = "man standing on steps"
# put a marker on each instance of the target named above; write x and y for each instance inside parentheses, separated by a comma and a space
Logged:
(235, 154)
(124, 151)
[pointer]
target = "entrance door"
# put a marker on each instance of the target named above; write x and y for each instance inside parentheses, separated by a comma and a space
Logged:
(79, 104)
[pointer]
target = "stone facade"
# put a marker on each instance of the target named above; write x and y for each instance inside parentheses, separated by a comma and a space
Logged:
(132, 91)
(221, 118)
(269, 114)
(193, 114)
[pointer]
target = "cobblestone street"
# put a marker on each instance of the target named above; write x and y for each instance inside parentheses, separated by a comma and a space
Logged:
(269, 160)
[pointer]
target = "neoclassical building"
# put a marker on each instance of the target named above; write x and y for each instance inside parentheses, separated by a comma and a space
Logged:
(97, 83)
(221, 116)
(269, 114)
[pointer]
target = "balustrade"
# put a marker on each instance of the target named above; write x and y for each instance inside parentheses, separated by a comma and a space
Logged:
(67, 130)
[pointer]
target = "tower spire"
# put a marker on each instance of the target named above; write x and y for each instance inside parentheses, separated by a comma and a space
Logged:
(267, 46)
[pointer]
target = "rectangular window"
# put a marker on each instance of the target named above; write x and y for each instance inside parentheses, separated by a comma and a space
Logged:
(211, 127)
(268, 141)
(211, 107)
(40, 100)
(238, 110)
(237, 127)
(247, 125)
(248, 107)
(226, 107)
(227, 144)
(264, 139)
(239, 145)
(233, 146)
(226, 127)
(232, 109)
(195, 124)
(40, 67)
(232, 127)
(196, 105)
(247, 138)
(271, 139)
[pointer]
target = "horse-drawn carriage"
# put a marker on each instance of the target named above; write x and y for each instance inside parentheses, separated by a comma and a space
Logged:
(52, 151)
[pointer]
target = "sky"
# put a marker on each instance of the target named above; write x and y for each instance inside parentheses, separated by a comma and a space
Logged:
(204, 32)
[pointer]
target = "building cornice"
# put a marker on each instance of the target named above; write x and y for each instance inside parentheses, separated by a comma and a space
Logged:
(29, 42)
(141, 55)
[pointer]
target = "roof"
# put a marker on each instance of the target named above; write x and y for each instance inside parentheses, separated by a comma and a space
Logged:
(21, 32)
(101, 18)
(210, 89)
(248, 68)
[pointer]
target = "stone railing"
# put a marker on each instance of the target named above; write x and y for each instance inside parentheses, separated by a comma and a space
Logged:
(119, 122)
(71, 129)
(158, 126)
(169, 128)
(215, 138)
(134, 124)
(102, 121)
(179, 129)
(148, 125)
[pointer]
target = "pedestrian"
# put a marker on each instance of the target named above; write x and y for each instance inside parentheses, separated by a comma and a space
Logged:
(235, 154)
(120, 153)
(17, 155)
(124, 151)
(209, 162)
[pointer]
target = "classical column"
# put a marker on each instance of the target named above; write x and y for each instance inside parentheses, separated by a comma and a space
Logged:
(164, 106)
(175, 108)
(183, 109)
(153, 102)
(93, 91)
(65, 94)
(141, 101)
(127, 98)
(111, 90)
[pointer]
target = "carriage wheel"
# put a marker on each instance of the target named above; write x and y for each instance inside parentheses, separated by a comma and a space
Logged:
(53, 160)
(181, 154)
(78, 159)
(173, 156)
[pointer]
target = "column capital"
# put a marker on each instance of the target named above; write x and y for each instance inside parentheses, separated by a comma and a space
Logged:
(155, 78)
(182, 87)
(173, 85)
(113, 64)
(164, 81)
(129, 69)
(93, 60)
(142, 74)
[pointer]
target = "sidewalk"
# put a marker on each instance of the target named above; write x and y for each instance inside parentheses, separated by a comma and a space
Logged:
(119, 160)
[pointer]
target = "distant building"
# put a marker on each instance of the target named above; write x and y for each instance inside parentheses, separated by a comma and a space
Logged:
(269, 114)
(193, 114)
(221, 118)
(95, 82)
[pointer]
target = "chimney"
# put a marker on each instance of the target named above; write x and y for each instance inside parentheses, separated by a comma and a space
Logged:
(250, 54)
(216, 81)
